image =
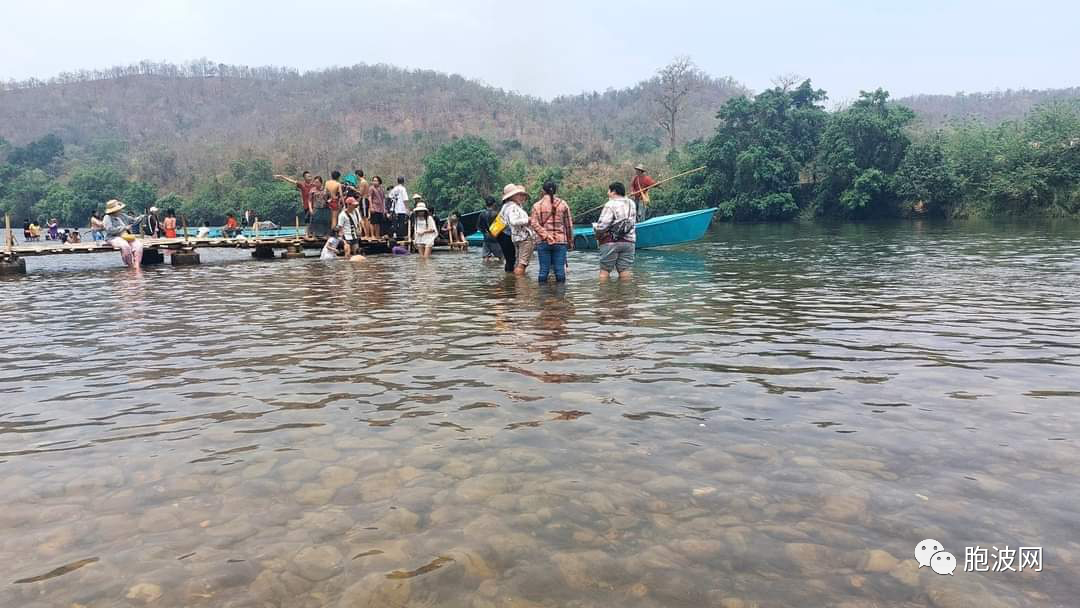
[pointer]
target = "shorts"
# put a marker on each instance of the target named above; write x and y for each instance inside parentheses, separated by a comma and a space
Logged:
(617, 256)
(523, 251)
(365, 209)
(492, 249)
(354, 245)
(378, 218)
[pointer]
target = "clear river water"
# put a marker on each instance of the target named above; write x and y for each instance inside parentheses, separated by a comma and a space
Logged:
(775, 416)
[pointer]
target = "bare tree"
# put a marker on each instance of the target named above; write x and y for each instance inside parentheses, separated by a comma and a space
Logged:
(675, 82)
(786, 81)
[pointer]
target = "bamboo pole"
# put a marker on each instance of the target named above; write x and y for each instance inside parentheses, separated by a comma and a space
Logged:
(256, 227)
(297, 227)
(635, 192)
(9, 239)
(187, 237)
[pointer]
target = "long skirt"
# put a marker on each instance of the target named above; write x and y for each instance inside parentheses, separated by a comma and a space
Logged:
(320, 222)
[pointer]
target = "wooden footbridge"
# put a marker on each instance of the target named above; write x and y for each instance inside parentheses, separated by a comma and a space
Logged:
(182, 251)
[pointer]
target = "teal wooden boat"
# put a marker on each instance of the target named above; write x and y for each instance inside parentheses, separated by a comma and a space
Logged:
(656, 232)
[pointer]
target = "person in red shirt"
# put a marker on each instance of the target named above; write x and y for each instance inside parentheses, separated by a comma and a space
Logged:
(306, 187)
(232, 227)
(639, 190)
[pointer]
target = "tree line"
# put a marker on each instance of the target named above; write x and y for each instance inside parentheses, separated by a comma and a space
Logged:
(776, 156)
(781, 156)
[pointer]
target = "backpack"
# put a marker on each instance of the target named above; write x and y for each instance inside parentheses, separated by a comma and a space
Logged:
(620, 229)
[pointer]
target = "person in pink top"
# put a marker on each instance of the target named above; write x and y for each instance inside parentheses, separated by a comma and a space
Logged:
(378, 206)
(554, 224)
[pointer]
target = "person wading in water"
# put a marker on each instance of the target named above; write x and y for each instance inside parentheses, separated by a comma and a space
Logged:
(616, 233)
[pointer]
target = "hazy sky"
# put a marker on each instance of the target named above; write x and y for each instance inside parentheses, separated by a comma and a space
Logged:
(554, 47)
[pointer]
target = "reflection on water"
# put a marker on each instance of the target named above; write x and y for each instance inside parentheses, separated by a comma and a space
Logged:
(775, 416)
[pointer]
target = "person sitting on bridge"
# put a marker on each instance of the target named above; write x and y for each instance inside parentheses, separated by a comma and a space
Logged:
(120, 229)
(231, 227)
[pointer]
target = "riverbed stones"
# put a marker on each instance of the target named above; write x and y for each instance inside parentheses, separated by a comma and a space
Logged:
(318, 563)
(877, 561)
(482, 487)
(844, 508)
(145, 593)
(377, 591)
(299, 470)
(314, 494)
(334, 477)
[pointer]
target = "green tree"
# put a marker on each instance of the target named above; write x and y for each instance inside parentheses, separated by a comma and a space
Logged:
(754, 159)
(41, 154)
(927, 175)
(23, 192)
(861, 149)
(554, 174)
(458, 175)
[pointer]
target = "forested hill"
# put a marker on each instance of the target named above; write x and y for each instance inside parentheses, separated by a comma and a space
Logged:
(990, 108)
(169, 124)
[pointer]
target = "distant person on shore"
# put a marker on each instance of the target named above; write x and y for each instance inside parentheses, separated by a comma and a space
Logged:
(204, 231)
(35, 232)
(553, 223)
(248, 219)
(26, 230)
(121, 228)
(350, 223)
(97, 227)
(639, 191)
(169, 224)
(517, 222)
(334, 198)
(616, 233)
(399, 198)
(424, 228)
(490, 250)
(305, 185)
(333, 246)
(73, 236)
(378, 207)
(231, 227)
(54, 230)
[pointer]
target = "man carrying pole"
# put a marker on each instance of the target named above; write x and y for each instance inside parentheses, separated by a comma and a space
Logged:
(639, 191)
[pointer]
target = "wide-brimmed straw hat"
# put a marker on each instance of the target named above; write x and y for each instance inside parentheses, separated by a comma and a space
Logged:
(417, 197)
(639, 167)
(420, 207)
(114, 206)
(512, 190)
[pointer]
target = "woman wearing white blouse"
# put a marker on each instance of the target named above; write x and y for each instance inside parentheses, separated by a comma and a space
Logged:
(424, 229)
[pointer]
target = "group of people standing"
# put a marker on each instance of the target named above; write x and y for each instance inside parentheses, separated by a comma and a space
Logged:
(352, 202)
(512, 234)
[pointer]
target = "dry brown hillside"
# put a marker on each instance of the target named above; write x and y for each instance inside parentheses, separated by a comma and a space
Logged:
(173, 123)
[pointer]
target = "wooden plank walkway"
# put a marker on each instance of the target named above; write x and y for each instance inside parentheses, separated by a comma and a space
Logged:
(167, 245)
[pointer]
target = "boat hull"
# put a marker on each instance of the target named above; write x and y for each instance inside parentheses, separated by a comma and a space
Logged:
(656, 232)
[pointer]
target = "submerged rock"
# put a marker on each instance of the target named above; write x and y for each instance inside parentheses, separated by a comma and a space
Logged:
(318, 563)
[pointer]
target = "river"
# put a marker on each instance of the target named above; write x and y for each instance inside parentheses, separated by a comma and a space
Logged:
(775, 416)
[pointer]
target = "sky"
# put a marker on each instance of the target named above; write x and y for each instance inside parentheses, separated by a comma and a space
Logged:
(557, 47)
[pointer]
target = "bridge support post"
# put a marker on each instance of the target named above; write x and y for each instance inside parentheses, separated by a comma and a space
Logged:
(294, 251)
(185, 257)
(263, 253)
(152, 256)
(11, 264)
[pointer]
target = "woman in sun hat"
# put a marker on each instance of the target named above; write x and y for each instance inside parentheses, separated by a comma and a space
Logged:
(120, 229)
(517, 219)
(424, 228)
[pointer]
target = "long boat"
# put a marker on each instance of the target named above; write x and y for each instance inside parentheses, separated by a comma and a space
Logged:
(656, 232)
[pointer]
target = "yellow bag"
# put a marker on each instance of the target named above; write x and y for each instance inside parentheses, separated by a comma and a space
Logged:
(127, 236)
(497, 226)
